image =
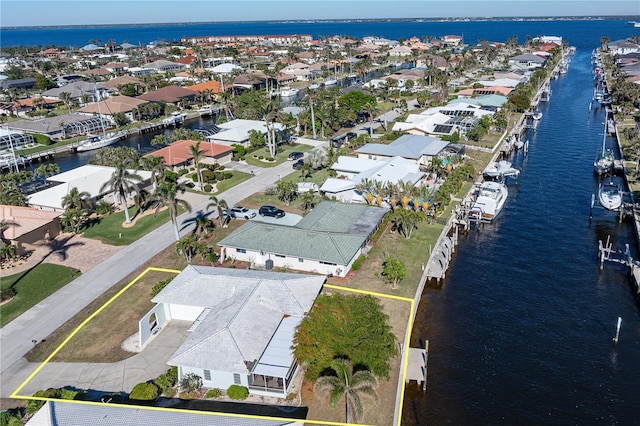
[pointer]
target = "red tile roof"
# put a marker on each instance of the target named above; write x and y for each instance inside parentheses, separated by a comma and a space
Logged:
(178, 152)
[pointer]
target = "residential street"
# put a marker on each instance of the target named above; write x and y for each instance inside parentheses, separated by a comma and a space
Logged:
(16, 338)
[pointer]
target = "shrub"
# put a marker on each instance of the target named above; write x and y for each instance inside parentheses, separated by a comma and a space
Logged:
(145, 392)
(213, 393)
(167, 381)
(190, 185)
(208, 187)
(207, 175)
(190, 382)
(103, 207)
(219, 175)
(41, 139)
(238, 392)
(7, 293)
(357, 263)
(228, 175)
(35, 405)
(182, 172)
(194, 177)
(158, 287)
(70, 394)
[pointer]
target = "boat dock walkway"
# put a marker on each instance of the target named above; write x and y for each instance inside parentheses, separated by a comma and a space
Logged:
(417, 366)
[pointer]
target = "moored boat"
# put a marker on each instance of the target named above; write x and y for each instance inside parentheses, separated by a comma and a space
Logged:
(500, 169)
(489, 202)
(287, 92)
(99, 141)
(610, 195)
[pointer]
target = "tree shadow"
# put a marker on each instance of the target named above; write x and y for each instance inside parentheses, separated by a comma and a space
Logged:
(56, 247)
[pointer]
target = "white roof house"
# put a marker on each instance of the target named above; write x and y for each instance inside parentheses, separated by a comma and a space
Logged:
(89, 178)
(225, 68)
(417, 148)
(70, 413)
(243, 325)
(239, 130)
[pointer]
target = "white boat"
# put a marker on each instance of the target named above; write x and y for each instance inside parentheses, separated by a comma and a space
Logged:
(314, 86)
(536, 115)
(99, 141)
(330, 82)
(490, 200)
(10, 160)
(610, 195)
(104, 139)
(174, 119)
(287, 92)
(604, 162)
(500, 169)
(205, 110)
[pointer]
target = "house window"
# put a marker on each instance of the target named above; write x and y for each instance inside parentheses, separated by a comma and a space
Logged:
(236, 379)
(281, 256)
(301, 260)
(207, 374)
(327, 263)
(241, 250)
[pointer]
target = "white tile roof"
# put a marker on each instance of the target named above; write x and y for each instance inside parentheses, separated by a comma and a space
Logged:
(246, 308)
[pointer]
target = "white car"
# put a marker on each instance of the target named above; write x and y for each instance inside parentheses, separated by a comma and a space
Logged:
(241, 212)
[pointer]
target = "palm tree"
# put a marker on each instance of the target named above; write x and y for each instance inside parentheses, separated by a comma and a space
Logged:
(156, 166)
(76, 199)
(122, 183)
(166, 194)
(46, 170)
(352, 385)
(189, 247)
(220, 205)
(197, 154)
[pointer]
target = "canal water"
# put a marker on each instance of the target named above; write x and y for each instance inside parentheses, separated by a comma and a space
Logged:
(520, 331)
(140, 142)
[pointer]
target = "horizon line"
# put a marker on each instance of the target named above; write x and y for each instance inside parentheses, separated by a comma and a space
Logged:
(312, 20)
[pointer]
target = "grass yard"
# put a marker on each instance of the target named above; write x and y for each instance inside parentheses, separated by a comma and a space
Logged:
(100, 339)
(110, 230)
(236, 179)
(33, 286)
(281, 156)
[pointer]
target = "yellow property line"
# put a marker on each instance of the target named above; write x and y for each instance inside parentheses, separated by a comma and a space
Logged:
(74, 332)
(406, 338)
(16, 394)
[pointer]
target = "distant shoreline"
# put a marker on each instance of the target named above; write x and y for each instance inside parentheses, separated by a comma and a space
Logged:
(298, 21)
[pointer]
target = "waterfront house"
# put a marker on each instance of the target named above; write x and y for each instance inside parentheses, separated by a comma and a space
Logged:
(238, 131)
(527, 61)
(171, 95)
(164, 66)
(242, 325)
(114, 105)
(419, 149)
(326, 241)
(89, 178)
(71, 413)
(178, 155)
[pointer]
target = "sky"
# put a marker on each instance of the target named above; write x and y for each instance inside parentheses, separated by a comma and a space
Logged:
(18, 13)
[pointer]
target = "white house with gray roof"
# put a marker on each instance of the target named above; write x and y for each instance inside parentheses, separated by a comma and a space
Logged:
(420, 149)
(326, 241)
(243, 323)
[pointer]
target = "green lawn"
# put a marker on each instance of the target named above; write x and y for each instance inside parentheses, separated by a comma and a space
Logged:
(33, 286)
(109, 229)
(281, 155)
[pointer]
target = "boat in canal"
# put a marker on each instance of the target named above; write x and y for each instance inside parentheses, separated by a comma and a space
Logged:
(610, 195)
(489, 202)
(100, 141)
(500, 169)
(604, 162)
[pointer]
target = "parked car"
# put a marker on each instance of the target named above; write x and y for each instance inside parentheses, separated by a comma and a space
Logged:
(298, 164)
(295, 155)
(271, 211)
(241, 212)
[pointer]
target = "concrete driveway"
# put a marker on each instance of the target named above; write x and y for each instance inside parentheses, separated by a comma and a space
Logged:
(119, 376)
